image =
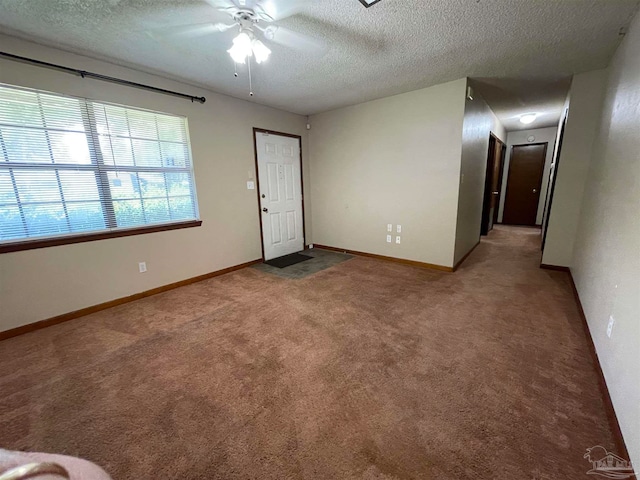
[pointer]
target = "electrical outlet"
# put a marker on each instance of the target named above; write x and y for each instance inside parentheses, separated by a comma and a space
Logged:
(388, 238)
(398, 240)
(389, 227)
(142, 267)
(311, 246)
(399, 229)
(612, 321)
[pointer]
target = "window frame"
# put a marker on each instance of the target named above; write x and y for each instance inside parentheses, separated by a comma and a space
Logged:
(69, 239)
(111, 230)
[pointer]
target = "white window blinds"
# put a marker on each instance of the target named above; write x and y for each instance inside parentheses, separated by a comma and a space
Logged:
(72, 165)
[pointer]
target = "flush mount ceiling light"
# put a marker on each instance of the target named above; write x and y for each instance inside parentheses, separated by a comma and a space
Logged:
(528, 118)
(368, 3)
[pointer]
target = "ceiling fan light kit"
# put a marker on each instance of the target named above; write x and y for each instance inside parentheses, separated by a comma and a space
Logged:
(246, 45)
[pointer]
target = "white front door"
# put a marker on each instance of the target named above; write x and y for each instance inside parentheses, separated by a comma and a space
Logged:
(280, 183)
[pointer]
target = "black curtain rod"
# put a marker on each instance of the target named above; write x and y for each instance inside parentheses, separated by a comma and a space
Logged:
(97, 76)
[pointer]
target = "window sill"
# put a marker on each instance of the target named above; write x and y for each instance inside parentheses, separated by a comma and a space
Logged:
(90, 237)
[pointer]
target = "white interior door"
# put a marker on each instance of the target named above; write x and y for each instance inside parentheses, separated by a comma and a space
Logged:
(279, 174)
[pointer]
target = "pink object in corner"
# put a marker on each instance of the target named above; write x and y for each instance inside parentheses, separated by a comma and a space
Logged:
(78, 468)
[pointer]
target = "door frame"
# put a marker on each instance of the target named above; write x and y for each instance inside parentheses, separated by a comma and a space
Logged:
(500, 180)
(257, 130)
(552, 182)
(486, 199)
(506, 190)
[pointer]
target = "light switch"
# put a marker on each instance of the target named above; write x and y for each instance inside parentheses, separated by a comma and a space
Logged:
(389, 227)
(388, 238)
(251, 185)
(399, 229)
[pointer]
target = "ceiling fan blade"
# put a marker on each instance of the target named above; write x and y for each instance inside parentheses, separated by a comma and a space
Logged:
(295, 40)
(279, 9)
(191, 31)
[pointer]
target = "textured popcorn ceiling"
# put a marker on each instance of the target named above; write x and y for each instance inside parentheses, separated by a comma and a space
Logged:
(525, 49)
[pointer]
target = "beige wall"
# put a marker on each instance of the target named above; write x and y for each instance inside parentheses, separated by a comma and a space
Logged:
(606, 258)
(519, 138)
(479, 122)
(39, 284)
(587, 90)
(394, 160)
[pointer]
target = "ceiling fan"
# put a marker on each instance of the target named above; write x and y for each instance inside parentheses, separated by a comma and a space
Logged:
(255, 22)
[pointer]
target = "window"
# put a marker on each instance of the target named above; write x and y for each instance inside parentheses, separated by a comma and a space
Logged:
(72, 166)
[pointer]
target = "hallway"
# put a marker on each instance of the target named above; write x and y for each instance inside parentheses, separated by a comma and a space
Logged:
(367, 369)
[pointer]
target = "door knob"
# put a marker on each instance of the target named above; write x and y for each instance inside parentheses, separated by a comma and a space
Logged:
(265, 210)
(534, 190)
(496, 193)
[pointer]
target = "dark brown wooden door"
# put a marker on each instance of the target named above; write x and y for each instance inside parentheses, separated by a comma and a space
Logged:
(523, 184)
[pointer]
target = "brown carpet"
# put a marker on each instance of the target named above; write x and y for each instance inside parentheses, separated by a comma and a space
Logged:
(366, 370)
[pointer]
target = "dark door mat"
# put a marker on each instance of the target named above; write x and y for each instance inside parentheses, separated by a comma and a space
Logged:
(288, 260)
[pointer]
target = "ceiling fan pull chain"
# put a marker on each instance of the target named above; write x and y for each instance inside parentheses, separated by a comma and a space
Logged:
(250, 85)
(235, 69)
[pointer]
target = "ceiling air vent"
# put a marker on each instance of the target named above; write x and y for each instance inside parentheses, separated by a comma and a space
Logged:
(368, 3)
